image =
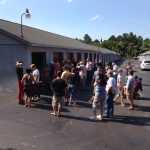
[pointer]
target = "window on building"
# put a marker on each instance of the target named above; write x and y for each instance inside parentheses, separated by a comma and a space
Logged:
(58, 57)
(90, 57)
(103, 59)
(79, 57)
(39, 59)
(98, 57)
(95, 57)
(85, 56)
(70, 56)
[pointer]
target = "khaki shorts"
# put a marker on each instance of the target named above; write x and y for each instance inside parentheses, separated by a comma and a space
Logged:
(57, 100)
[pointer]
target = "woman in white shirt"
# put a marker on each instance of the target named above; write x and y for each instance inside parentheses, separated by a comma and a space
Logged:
(111, 90)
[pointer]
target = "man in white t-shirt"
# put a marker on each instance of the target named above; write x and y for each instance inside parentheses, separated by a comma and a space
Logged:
(120, 87)
(36, 76)
(111, 90)
(35, 73)
(82, 74)
(130, 89)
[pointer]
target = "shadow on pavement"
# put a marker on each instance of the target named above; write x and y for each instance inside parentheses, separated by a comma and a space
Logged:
(132, 120)
(46, 107)
(8, 149)
(146, 84)
(142, 108)
(86, 119)
(83, 104)
(144, 98)
(45, 103)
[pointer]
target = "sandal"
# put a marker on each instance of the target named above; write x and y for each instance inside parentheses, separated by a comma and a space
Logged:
(52, 113)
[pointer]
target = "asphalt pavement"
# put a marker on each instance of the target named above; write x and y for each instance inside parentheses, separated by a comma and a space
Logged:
(34, 129)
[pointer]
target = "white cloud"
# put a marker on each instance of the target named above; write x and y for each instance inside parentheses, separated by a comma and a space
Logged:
(69, 1)
(3, 2)
(96, 17)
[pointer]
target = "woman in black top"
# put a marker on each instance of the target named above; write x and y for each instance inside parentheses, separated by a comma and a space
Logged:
(28, 81)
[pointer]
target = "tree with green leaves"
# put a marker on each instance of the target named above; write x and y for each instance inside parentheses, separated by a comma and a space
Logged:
(87, 39)
(96, 42)
(127, 44)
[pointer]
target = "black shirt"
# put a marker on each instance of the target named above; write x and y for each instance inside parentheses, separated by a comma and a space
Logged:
(19, 71)
(102, 79)
(51, 70)
(59, 87)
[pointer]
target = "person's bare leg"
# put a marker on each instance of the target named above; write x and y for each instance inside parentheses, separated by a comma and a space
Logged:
(59, 110)
(127, 97)
(66, 100)
(29, 103)
(70, 100)
(100, 116)
(54, 110)
(132, 102)
(116, 98)
(122, 100)
(26, 101)
(131, 107)
(94, 107)
(54, 106)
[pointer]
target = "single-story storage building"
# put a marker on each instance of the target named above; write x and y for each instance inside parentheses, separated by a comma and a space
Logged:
(42, 47)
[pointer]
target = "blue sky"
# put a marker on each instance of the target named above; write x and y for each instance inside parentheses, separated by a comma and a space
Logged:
(74, 18)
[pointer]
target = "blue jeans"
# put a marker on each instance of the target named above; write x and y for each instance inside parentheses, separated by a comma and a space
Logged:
(109, 105)
(71, 90)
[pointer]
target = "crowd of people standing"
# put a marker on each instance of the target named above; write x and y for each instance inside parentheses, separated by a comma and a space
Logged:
(109, 84)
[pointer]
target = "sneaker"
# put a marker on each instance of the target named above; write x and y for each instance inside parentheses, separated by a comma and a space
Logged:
(131, 108)
(99, 117)
(123, 105)
(35, 99)
(52, 113)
